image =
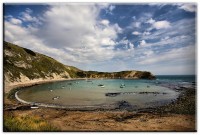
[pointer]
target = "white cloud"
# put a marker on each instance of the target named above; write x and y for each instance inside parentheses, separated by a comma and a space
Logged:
(143, 43)
(27, 17)
(148, 53)
(28, 10)
(136, 24)
(165, 38)
(15, 21)
(67, 34)
(151, 21)
(188, 7)
(146, 33)
(161, 25)
(183, 54)
(136, 33)
(182, 27)
(8, 16)
(105, 22)
(111, 7)
(131, 46)
(107, 41)
(123, 41)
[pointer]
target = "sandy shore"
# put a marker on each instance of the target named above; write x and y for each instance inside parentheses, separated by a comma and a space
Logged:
(101, 120)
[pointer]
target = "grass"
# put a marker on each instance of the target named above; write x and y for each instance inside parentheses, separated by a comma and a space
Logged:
(39, 66)
(26, 124)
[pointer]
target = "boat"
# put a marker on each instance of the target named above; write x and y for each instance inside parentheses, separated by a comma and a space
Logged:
(51, 90)
(122, 85)
(57, 97)
(34, 107)
(101, 85)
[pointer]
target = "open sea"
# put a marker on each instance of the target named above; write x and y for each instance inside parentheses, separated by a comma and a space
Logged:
(136, 94)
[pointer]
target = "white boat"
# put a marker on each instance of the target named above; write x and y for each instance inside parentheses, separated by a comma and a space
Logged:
(57, 97)
(101, 85)
(34, 107)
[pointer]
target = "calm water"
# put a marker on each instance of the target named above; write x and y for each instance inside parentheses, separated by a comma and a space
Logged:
(138, 93)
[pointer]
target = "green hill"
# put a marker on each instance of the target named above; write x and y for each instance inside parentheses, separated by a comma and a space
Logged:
(21, 64)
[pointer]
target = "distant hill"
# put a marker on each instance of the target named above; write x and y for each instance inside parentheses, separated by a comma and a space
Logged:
(21, 64)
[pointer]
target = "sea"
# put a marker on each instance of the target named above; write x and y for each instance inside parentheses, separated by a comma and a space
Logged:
(117, 93)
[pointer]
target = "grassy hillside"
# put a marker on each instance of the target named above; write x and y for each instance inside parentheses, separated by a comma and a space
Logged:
(20, 61)
(23, 64)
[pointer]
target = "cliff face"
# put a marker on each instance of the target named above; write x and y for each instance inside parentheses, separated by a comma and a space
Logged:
(21, 64)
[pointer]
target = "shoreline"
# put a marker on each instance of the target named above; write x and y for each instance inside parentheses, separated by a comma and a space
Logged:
(113, 107)
(162, 118)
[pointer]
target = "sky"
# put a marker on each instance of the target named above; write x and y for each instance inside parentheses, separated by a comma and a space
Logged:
(155, 37)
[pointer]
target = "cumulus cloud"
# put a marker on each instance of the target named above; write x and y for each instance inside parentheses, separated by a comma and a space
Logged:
(161, 25)
(188, 7)
(67, 34)
(15, 21)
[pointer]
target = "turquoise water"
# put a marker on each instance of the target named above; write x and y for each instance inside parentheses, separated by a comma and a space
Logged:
(138, 93)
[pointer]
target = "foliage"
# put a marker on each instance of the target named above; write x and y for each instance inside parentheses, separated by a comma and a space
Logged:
(25, 123)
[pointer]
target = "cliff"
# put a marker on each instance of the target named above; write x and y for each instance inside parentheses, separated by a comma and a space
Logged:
(23, 65)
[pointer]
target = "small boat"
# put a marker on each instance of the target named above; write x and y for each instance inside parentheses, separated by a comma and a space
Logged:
(34, 107)
(57, 97)
(122, 85)
(103, 86)
(51, 90)
(63, 86)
